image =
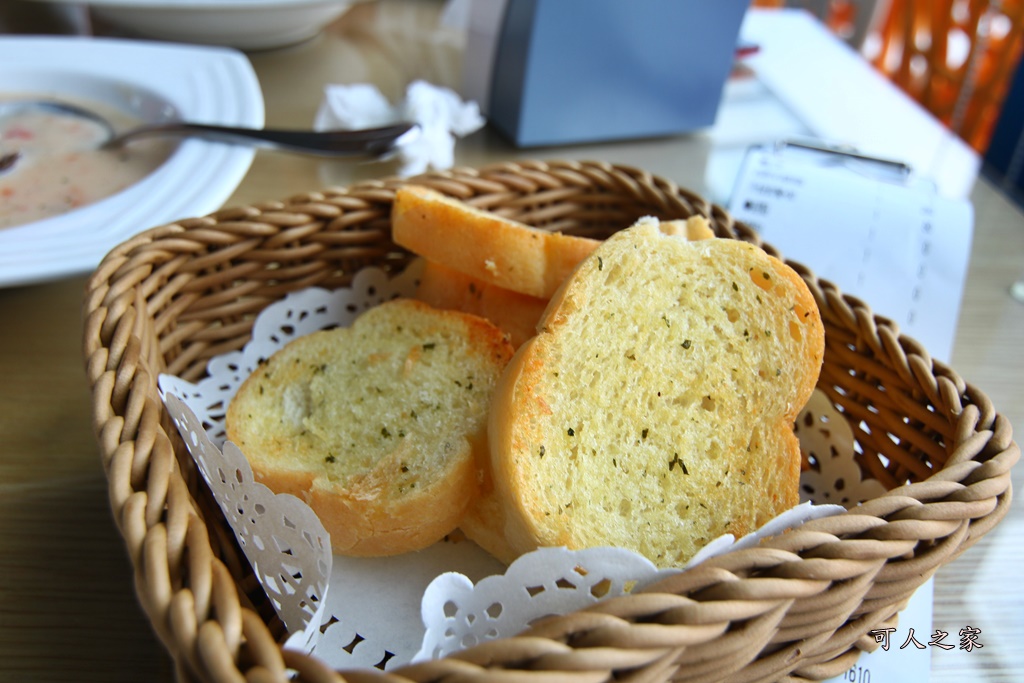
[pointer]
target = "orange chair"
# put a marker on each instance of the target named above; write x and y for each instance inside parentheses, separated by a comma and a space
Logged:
(955, 57)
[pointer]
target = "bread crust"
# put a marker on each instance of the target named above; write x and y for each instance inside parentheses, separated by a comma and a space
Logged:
(484, 245)
(660, 452)
(515, 313)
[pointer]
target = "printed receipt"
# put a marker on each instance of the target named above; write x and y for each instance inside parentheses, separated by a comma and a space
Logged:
(893, 243)
(903, 250)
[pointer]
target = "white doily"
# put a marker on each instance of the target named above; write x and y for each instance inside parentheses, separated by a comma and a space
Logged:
(386, 612)
(827, 440)
(286, 545)
(459, 614)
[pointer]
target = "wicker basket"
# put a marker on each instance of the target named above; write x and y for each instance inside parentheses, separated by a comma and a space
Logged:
(796, 608)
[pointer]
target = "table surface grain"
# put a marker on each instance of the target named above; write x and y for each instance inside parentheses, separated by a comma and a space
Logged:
(68, 609)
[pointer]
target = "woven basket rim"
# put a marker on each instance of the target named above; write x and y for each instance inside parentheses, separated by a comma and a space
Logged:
(800, 605)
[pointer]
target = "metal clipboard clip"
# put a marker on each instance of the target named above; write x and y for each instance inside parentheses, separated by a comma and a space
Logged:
(877, 168)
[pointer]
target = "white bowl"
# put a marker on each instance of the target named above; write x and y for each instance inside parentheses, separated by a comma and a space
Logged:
(244, 24)
(148, 79)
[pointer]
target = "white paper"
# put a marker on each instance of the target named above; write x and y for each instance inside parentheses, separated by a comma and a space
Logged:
(898, 246)
(373, 613)
(843, 99)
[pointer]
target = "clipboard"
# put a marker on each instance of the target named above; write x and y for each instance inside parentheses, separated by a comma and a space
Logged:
(866, 224)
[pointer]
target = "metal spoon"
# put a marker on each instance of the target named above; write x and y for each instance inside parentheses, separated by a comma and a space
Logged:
(367, 142)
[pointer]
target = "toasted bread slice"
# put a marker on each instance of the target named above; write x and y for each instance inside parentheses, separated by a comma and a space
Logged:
(380, 427)
(487, 246)
(654, 410)
(515, 313)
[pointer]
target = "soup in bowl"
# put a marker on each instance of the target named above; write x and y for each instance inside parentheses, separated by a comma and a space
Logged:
(52, 163)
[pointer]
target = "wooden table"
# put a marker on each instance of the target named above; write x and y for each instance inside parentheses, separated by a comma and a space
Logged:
(68, 607)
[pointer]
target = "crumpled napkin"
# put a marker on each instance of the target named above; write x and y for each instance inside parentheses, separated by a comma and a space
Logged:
(441, 114)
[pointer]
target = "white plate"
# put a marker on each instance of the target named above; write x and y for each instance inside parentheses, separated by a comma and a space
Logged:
(203, 84)
(245, 24)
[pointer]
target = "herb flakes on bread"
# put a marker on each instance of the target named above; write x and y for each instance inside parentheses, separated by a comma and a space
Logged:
(380, 427)
(654, 409)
